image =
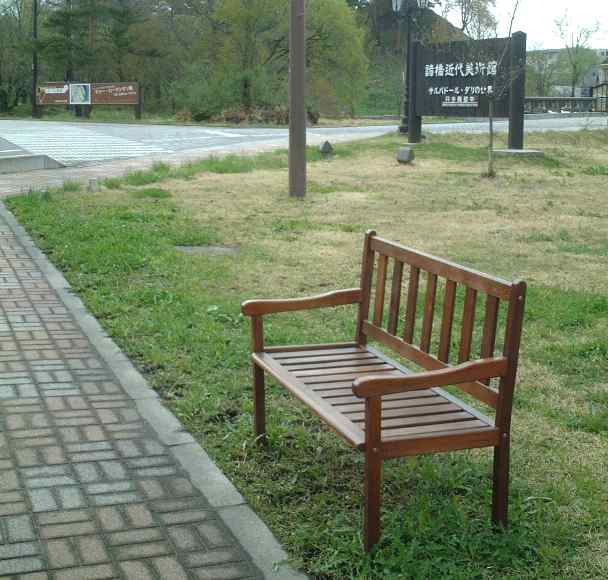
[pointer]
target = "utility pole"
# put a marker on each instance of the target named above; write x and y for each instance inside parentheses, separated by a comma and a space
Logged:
(34, 58)
(297, 100)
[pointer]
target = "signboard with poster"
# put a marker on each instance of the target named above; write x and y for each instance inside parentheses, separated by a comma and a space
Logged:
(90, 95)
(115, 94)
(53, 94)
(80, 94)
(461, 78)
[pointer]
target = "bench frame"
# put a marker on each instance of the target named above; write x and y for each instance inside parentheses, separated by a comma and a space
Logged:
(472, 376)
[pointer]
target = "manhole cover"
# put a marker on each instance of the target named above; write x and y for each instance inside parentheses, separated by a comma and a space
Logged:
(209, 250)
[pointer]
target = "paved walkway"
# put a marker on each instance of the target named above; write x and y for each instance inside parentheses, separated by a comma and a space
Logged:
(97, 479)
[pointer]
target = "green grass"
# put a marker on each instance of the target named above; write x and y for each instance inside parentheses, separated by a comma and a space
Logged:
(229, 164)
(597, 170)
(178, 319)
(152, 192)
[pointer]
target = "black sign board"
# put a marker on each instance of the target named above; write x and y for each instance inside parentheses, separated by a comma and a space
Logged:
(456, 78)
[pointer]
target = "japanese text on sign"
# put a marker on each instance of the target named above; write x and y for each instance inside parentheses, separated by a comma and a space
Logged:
(460, 69)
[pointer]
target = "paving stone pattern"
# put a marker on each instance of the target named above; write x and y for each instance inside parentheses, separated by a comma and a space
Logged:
(87, 490)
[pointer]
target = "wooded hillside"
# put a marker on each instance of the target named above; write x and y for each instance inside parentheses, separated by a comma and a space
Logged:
(200, 58)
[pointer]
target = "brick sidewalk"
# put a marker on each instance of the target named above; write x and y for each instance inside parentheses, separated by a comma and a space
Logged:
(97, 479)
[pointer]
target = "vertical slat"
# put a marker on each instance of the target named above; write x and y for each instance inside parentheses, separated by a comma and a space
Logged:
(367, 270)
(393, 313)
(380, 290)
(410, 311)
(488, 340)
(468, 322)
(429, 312)
(447, 321)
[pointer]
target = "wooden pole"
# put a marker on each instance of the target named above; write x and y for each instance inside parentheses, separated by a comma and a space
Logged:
(35, 59)
(297, 100)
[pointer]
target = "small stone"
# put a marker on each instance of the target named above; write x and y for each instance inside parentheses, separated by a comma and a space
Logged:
(405, 155)
(326, 150)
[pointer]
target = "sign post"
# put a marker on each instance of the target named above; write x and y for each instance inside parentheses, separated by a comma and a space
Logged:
(517, 99)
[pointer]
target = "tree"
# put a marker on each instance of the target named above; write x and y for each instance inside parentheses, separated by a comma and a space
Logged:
(578, 54)
(15, 59)
(254, 49)
(475, 17)
(542, 68)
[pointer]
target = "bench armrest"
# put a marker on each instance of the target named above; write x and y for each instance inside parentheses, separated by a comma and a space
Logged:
(338, 298)
(377, 386)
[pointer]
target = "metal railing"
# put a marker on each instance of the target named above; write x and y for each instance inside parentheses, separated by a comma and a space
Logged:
(566, 104)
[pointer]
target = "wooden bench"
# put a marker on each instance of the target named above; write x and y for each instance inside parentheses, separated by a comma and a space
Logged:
(377, 405)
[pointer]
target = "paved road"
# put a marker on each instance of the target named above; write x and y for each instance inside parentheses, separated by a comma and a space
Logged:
(532, 124)
(77, 144)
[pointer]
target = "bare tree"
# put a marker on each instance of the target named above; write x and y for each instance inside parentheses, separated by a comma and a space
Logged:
(542, 68)
(500, 89)
(577, 41)
(475, 17)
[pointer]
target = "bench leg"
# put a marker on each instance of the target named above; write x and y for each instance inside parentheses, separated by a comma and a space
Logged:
(500, 496)
(259, 404)
(373, 482)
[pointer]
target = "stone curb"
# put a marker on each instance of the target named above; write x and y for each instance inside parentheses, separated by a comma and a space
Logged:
(254, 536)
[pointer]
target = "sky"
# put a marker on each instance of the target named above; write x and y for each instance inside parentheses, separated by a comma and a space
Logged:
(537, 19)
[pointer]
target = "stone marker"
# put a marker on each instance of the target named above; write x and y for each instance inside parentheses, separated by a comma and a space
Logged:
(326, 150)
(93, 185)
(405, 155)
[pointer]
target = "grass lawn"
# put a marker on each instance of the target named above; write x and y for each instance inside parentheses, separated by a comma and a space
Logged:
(177, 316)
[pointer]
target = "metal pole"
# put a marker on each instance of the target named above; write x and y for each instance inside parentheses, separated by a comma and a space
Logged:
(403, 128)
(34, 58)
(297, 100)
(414, 120)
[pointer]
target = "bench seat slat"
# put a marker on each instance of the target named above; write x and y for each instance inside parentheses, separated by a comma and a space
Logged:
(280, 352)
(352, 399)
(469, 438)
(451, 426)
(407, 410)
(334, 365)
(315, 360)
(391, 424)
(347, 370)
(327, 390)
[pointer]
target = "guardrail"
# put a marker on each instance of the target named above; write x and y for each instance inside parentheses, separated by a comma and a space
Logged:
(566, 104)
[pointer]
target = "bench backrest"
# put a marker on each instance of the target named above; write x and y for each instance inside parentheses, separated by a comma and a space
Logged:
(447, 332)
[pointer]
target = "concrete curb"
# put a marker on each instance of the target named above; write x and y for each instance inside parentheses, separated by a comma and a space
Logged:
(253, 535)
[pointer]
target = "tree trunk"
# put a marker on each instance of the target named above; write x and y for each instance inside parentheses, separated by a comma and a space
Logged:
(491, 169)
